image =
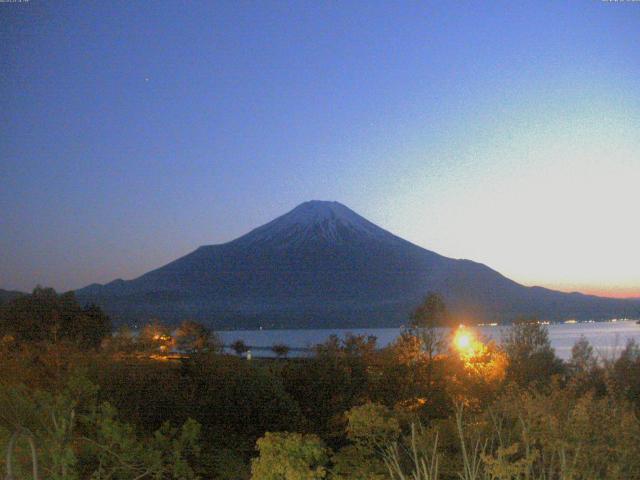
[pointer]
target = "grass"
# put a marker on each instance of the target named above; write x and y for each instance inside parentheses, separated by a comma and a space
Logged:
(477, 461)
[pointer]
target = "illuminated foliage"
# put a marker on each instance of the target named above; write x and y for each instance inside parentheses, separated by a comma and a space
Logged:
(370, 428)
(290, 456)
(483, 360)
(155, 337)
(357, 398)
(372, 425)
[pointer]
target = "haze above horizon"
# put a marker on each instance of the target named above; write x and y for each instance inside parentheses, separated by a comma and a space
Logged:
(505, 133)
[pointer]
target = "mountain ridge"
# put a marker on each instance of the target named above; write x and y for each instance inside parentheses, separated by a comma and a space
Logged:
(323, 265)
(8, 295)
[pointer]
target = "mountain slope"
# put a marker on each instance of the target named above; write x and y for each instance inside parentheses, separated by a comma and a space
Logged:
(8, 295)
(323, 265)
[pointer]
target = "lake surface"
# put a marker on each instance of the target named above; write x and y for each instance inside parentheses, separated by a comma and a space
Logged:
(607, 338)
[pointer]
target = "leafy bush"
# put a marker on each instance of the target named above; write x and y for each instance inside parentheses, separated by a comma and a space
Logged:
(77, 439)
(290, 456)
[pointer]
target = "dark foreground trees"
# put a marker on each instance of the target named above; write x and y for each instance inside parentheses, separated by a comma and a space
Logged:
(134, 408)
(531, 358)
(498, 413)
(79, 438)
(428, 321)
(45, 316)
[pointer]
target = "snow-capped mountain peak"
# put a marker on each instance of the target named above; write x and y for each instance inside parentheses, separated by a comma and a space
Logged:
(316, 221)
(322, 265)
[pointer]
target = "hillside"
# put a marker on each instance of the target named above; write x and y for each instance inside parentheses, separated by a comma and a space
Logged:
(323, 265)
(6, 295)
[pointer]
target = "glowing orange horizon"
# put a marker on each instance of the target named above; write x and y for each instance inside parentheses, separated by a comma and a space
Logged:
(600, 291)
(612, 292)
(634, 294)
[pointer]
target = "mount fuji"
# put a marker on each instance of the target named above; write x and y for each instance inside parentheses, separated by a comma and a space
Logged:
(323, 265)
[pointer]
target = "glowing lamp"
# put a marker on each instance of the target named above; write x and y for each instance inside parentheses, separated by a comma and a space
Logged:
(463, 339)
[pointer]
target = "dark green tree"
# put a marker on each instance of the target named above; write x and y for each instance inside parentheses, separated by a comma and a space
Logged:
(583, 359)
(625, 373)
(432, 312)
(332, 381)
(45, 316)
(371, 428)
(531, 358)
(427, 323)
(239, 347)
(586, 375)
(193, 337)
(280, 349)
(91, 327)
(290, 456)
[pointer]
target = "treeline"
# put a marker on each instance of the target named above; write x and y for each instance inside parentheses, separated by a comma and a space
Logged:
(102, 406)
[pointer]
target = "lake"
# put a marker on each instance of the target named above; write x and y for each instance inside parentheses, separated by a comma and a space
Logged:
(607, 338)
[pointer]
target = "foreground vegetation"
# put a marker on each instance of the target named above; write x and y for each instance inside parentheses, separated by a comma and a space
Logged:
(122, 406)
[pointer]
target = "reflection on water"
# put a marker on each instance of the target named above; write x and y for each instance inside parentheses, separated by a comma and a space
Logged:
(607, 338)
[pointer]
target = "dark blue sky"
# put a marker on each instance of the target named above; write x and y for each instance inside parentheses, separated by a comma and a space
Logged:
(506, 132)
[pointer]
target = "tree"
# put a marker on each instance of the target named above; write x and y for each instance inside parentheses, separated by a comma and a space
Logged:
(432, 312)
(116, 451)
(332, 381)
(155, 337)
(353, 462)
(531, 358)
(76, 438)
(122, 341)
(192, 337)
(239, 347)
(582, 358)
(398, 372)
(371, 428)
(625, 373)
(232, 398)
(290, 456)
(45, 316)
(91, 327)
(372, 425)
(427, 320)
(280, 349)
(31, 318)
(586, 375)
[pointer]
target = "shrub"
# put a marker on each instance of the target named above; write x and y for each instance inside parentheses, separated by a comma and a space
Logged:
(290, 456)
